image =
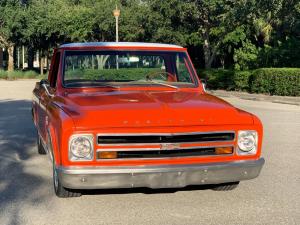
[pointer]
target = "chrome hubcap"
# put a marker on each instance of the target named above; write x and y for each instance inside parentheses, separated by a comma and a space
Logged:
(55, 176)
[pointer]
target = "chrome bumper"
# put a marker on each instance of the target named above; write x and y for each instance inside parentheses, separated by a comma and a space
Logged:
(166, 176)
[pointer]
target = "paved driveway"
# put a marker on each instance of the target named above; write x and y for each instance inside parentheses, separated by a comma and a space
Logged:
(26, 195)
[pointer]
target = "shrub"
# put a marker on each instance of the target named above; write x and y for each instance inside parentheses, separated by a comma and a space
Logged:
(241, 80)
(31, 74)
(18, 74)
(110, 74)
(276, 81)
(15, 75)
(3, 74)
(246, 56)
(218, 78)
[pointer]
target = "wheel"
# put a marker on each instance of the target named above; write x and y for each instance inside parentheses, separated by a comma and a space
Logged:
(60, 190)
(41, 149)
(226, 186)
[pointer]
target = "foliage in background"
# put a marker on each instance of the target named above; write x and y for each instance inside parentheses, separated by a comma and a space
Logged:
(219, 33)
(17, 74)
(276, 81)
(273, 81)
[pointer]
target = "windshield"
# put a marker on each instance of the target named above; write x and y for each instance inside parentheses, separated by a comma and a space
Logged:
(117, 68)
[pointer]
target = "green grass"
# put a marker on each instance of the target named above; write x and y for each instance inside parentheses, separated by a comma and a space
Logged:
(18, 74)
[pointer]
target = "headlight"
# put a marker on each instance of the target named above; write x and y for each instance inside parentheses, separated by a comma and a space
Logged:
(81, 147)
(247, 141)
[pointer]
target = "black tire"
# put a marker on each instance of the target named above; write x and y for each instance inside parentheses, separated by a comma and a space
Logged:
(226, 186)
(60, 190)
(40, 147)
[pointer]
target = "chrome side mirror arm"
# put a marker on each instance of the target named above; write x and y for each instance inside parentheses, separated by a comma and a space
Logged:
(45, 86)
(204, 84)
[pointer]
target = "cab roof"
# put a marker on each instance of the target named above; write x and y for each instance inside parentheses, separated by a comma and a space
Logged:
(119, 44)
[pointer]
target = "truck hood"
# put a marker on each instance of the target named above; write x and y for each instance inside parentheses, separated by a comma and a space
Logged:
(149, 109)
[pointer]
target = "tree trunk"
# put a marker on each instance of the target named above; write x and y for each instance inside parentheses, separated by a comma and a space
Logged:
(1, 58)
(101, 61)
(23, 57)
(30, 57)
(10, 51)
(18, 57)
(47, 61)
(208, 50)
(207, 54)
(41, 65)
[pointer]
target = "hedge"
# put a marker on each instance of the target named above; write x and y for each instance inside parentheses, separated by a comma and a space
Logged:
(273, 81)
(111, 74)
(276, 81)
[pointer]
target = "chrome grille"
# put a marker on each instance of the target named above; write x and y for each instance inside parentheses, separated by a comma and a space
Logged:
(112, 139)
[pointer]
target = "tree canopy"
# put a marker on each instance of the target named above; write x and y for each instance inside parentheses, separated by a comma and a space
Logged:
(242, 34)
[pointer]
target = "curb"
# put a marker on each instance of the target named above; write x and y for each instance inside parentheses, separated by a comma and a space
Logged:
(257, 97)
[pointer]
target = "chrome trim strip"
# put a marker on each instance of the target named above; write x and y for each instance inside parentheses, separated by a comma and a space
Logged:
(162, 158)
(125, 149)
(149, 144)
(119, 44)
(141, 149)
(163, 134)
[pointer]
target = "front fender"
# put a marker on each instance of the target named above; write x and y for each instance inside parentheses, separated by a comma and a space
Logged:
(60, 127)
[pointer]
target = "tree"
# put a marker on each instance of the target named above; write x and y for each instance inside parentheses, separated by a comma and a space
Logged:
(218, 23)
(11, 22)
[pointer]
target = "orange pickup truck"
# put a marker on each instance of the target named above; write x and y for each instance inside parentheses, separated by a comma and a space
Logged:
(125, 115)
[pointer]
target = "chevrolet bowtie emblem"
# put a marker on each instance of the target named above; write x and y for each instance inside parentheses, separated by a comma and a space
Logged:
(169, 146)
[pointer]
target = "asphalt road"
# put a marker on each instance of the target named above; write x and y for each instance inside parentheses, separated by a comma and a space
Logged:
(26, 195)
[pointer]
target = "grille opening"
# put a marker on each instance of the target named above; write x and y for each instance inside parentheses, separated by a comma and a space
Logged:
(181, 138)
(165, 153)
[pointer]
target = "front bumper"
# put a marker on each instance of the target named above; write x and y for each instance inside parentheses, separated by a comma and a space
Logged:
(163, 176)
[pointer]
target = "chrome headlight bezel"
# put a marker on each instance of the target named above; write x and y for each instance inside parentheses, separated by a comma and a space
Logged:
(89, 156)
(244, 135)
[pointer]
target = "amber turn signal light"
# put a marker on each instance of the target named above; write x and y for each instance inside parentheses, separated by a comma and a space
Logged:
(223, 150)
(107, 155)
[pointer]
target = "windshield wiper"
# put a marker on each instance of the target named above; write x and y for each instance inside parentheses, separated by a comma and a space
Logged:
(163, 84)
(108, 85)
(154, 82)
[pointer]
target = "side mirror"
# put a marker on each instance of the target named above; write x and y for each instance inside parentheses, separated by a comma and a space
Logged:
(45, 84)
(204, 84)
(44, 81)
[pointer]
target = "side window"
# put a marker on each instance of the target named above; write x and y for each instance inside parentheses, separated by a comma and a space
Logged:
(183, 74)
(54, 71)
